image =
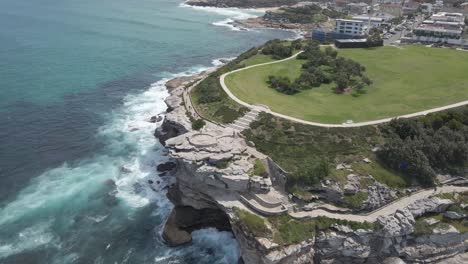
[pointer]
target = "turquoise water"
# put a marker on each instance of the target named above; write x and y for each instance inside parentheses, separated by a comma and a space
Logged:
(78, 81)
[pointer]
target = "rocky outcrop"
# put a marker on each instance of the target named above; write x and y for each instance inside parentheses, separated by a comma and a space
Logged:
(401, 223)
(176, 121)
(378, 195)
(212, 171)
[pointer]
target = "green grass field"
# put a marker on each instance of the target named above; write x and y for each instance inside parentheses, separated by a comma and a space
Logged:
(406, 80)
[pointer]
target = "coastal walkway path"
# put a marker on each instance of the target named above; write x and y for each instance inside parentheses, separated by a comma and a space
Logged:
(260, 108)
(383, 211)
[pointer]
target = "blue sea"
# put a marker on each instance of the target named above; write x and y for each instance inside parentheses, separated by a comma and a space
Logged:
(79, 80)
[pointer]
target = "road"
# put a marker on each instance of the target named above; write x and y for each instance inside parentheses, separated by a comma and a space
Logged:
(263, 108)
(383, 211)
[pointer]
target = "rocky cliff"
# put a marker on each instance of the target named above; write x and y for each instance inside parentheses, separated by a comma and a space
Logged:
(213, 172)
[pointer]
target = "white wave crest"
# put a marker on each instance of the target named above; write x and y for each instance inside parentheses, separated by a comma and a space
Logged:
(232, 15)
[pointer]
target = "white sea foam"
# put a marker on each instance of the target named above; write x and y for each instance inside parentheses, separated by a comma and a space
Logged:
(29, 238)
(130, 144)
(232, 15)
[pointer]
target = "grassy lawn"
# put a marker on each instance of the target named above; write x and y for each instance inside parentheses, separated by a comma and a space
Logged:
(405, 81)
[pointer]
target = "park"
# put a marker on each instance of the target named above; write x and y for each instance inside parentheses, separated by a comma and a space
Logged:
(405, 80)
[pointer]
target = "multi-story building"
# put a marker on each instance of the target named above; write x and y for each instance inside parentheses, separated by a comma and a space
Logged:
(351, 27)
(371, 20)
(441, 28)
(449, 17)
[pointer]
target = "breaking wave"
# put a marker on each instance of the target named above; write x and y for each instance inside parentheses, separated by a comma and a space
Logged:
(232, 15)
(100, 201)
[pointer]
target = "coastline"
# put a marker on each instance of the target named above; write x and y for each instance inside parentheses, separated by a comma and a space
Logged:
(252, 22)
(202, 202)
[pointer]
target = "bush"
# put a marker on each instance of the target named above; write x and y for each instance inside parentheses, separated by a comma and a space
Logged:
(276, 49)
(282, 84)
(355, 201)
(198, 124)
(259, 169)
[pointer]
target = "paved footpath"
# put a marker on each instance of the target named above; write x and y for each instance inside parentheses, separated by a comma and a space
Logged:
(261, 108)
(383, 211)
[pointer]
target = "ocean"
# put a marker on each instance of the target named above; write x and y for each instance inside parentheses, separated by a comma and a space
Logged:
(79, 80)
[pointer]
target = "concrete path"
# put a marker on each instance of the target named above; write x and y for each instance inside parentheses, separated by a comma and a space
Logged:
(383, 211)
(267, 110)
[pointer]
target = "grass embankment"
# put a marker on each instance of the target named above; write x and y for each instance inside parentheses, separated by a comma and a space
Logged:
(310, 154)
(285, 230)
(405, 81)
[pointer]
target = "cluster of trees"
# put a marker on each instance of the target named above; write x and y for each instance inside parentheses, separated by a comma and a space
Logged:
(277, 50)
(323, 67)
(281, 84)
(421, 148)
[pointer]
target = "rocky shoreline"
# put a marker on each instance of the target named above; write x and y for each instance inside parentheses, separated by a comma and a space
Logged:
(208, 190)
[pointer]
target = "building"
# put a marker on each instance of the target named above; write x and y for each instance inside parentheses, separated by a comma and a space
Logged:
(438, 5)
(392, 9)
(426, 8)
(464, 6)
(356, 8)
(449, 17)
(327, 36)
(437, 34)
(410, 7)
(351, 27)
(371, 20)
(351, 43)
(441, 28)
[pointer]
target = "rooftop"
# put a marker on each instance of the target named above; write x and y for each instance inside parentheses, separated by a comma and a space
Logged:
(351, 40)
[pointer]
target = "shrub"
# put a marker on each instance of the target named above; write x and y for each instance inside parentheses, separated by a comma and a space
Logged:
(259, 169)
(198, 124)
(282, 84)
(356, 200)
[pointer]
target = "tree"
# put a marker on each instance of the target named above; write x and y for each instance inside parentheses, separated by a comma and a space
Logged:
(374, 39)
(297, 44)
(342, 81)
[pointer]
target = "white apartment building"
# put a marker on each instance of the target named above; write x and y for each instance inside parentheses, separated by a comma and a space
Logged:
(449, 17)
(351, 27)
(372, 20)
